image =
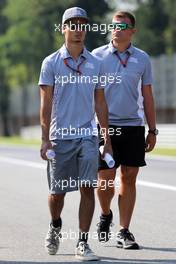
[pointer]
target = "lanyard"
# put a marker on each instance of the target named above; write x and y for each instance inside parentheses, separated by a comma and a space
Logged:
(123, 62)
(73, 69)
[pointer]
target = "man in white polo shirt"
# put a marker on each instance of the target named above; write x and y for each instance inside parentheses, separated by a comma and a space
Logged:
(67, 113)
(127, 102)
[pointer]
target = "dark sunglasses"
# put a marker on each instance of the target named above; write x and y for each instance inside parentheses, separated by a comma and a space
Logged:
(121, 26)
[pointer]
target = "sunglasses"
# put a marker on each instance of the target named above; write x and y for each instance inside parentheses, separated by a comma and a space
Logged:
(121, 26)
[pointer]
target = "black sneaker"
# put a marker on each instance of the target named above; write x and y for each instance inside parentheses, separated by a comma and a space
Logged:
(104, 227)
(126, 240)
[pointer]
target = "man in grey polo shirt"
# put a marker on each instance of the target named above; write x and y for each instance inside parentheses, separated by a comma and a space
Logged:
(68, 127)
(127, 101)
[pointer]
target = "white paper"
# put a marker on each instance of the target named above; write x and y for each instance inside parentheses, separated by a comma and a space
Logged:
(107, 158)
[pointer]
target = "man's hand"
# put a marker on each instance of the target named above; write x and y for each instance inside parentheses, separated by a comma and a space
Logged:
(44, 146)
(150, 142)
(107, 148)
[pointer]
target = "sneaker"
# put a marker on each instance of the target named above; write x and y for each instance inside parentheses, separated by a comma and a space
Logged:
(52, 240)
(83, 252)
(104, 227)
(126, 240)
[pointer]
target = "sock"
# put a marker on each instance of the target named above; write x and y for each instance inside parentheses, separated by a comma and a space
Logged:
(83, 237)
(109, 215)
(56, 223)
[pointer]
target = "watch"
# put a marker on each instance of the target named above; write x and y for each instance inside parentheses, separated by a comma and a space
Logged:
(154, 131)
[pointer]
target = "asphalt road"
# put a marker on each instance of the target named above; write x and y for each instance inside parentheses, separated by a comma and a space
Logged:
(24, 214)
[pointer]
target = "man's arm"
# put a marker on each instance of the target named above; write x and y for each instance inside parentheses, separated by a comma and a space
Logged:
(46, 96)
(101, 110)
(149, 109)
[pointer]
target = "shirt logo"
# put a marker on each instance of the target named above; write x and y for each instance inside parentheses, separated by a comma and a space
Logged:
(89, 65)
(133, 59)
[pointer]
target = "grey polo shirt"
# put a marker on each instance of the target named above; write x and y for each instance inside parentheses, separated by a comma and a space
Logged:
(73, 99)
(124, 99)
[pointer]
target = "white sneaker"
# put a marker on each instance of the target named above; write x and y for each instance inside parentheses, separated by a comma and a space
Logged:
(83, 252)
(52, 240)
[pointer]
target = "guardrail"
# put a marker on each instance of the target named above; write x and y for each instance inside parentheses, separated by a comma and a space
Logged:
(166, 137)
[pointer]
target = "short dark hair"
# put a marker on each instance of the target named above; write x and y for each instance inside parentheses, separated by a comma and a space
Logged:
(125, 14)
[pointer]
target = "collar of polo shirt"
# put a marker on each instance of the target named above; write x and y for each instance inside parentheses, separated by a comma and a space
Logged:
(113, 49)
(65, 54)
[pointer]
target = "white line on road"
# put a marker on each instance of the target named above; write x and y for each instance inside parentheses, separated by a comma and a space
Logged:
(26, 163)
(38, 165)
(157, 185)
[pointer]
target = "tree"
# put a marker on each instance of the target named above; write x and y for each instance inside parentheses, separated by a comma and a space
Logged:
(97, 11)
(156, 26)
(27, 35)
(170, 31)
(152, 21)
(4, 63)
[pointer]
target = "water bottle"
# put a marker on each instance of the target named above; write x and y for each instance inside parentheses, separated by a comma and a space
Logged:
(107, 158)
(50, 154)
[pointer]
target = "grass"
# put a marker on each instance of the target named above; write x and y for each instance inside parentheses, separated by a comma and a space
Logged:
(16, 140)
(164, 151)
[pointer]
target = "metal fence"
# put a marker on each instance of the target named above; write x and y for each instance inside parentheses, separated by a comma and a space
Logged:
(25, 101)
(165, 139)
(167, 136)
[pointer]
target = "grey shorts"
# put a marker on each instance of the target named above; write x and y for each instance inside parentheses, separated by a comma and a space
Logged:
(75, 164)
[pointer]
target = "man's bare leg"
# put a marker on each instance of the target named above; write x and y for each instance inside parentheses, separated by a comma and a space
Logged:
(86, 208)
(126, 201)
(127, 194)
(105, 190)
(105, 193)
(56, 203)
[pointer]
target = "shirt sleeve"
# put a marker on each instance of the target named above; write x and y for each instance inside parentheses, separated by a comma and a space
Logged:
(101, 78)
(147, 75)
(46, 74)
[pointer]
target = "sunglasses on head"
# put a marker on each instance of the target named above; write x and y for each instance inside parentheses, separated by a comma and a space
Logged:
(121, 26)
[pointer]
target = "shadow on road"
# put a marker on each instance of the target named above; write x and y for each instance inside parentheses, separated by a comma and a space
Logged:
(150, 248)
(103, 260)
(160, 249)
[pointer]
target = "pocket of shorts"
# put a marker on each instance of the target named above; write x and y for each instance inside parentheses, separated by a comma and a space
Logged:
(93, 140)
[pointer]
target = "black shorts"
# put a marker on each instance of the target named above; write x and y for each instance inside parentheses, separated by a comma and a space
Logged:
(128, 144)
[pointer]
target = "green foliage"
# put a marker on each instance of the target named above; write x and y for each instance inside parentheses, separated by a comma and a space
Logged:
(31, 31)
(170, 30)
(156, 21)
(4, 64)
(27, 36)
